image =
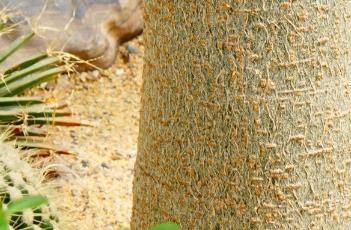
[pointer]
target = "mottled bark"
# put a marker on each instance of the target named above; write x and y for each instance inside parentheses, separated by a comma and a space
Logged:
(245, 120)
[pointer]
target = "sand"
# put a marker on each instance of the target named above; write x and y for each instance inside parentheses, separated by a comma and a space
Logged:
(97, 183)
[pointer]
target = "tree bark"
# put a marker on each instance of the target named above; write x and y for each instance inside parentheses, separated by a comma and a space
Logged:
(245, 120)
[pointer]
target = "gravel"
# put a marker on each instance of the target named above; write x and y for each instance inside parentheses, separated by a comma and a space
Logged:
(98, 192)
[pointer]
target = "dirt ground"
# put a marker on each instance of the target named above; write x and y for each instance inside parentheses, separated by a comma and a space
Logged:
(97, 183)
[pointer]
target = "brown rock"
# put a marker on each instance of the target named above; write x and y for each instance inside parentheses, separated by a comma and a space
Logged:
(94, 37)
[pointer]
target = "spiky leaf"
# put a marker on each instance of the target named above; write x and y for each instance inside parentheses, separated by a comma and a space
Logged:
(25, 203)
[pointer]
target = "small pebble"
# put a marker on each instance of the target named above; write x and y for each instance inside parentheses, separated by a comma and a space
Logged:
(75, 193)
(83, 77)
(104, 165)
(73, 134)
(132, 49)
(119, 72)
(95, 74)
(116, 156)
(85, 163)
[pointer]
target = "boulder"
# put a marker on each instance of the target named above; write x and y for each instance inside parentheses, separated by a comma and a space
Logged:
(92, 31)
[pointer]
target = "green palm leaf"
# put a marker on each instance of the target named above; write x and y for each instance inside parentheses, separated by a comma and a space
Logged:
(23, 115)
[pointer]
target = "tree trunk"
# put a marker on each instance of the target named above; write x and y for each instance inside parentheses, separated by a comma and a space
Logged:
(245, 120)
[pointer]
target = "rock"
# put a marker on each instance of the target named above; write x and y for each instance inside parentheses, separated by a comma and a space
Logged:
(50, 85)
(110, 227)
(119, 72)
(85, 163)
(93, 33)
(75, 193)
(63, 81)
(104, 165)
(73, 134)
(132, 49)
(116, 156)
(83, 76)
(95, 74)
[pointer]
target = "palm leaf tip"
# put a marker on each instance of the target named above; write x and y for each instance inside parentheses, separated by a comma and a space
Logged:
(24, 116)
(15, 45)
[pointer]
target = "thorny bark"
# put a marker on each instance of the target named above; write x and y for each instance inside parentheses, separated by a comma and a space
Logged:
(245, 122)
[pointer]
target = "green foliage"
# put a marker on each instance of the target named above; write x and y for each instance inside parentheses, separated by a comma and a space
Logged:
(19, 205)
(15, 45)
(22, 118)
(166, 226)
(20, 115)
(25, 203)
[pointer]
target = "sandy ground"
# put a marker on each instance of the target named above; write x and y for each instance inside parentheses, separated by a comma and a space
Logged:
(97, 191)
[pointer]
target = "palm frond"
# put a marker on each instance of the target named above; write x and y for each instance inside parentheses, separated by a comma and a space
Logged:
(23, 116)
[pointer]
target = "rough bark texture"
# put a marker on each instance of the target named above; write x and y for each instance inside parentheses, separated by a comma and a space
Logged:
(245, 121)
